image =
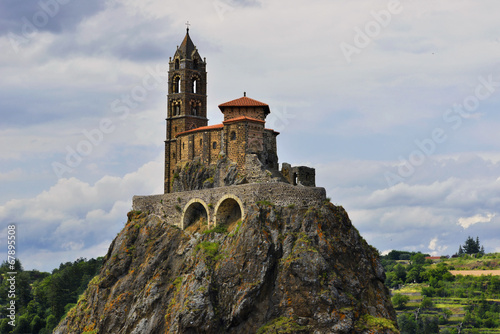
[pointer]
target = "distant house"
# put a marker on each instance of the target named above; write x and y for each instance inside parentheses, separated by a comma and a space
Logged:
(434, 258)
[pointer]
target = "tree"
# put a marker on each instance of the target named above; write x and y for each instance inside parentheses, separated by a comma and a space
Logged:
(400, 272)
(37, 324)
(22, 325)
(4, 326)
(399, 301)
(418, 258)
(471, 246)
(427, 325)
(413, 276)
(426, 303)
(391, 280)
(51, 322)
(407, 323)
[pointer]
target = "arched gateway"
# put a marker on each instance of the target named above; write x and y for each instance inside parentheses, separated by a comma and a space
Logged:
(229, 210)
(195, 212)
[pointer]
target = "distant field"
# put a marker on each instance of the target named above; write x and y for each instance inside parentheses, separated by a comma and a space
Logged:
(475, 272)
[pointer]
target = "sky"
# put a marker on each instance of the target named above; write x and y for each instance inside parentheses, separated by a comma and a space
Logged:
(393, 102)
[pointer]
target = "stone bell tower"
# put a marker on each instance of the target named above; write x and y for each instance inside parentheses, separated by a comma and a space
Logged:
(186, 100)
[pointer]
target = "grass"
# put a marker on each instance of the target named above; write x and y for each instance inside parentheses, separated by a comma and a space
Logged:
(210, 249)
(281, 325)
(265, 203)
(377, 324)
(236, 229)
(411, 288)
(217, 229)
(467, 262)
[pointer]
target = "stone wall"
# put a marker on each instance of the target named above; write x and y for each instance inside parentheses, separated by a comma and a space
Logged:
(173, 207)
(299, 175)
(235, 112)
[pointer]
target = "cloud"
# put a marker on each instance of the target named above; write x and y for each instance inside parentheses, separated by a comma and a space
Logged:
(436, 248)
(73, 217)
(403, 216)
(467, 222)
(54, 16)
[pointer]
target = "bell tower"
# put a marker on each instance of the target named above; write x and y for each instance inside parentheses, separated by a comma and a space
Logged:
(186, 100)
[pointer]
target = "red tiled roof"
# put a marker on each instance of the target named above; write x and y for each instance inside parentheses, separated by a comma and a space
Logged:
(276, 132)
(220, 126)
(243, 118)
(244, 102)
(202, 128)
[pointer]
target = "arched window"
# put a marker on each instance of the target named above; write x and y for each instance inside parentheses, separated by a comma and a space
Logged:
(233, 135)
(201, 142)
(173, 156)
(194, 111)
(195, 86)
(177, 85)
(214, 145)
(177, 64)
(177, 109)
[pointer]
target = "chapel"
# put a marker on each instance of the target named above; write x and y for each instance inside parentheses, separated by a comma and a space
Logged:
(242, 138)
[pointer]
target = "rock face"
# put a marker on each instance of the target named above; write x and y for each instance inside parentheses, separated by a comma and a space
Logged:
(195, 175)
(281, 270)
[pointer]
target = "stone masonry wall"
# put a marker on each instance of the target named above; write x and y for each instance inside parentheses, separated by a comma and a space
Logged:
(173, 205)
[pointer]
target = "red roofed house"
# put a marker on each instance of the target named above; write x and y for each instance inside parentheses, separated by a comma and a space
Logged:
(241, 137)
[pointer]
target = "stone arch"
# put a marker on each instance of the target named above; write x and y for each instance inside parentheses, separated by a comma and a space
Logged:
(176, 84)
(228, 211)
(195, 84)
(195, 211)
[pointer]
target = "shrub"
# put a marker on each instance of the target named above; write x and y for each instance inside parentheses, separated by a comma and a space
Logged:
(426, 302)
(399, 301)
(210, 249)
(265, 203)
(217, 229)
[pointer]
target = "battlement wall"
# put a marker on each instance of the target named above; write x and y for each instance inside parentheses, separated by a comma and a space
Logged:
(173, 206)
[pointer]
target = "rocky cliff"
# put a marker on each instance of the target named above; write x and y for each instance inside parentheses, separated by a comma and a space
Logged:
(281, 270)
(195, 175)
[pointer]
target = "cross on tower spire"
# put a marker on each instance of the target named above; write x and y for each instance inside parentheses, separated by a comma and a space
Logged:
(187, 25)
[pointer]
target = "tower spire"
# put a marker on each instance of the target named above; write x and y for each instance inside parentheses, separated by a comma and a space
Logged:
(187, 101)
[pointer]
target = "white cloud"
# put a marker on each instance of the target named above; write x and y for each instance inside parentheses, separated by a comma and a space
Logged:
(467, 222)
(74, 217)
(436, 247)
(403, 216)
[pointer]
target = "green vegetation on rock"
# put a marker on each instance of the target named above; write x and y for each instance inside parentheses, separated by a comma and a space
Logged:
(282, 325)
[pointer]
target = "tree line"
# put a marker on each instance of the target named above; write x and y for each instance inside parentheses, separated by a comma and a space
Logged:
(42, 299)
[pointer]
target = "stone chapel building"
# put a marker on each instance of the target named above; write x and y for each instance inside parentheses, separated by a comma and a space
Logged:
(242, 138)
